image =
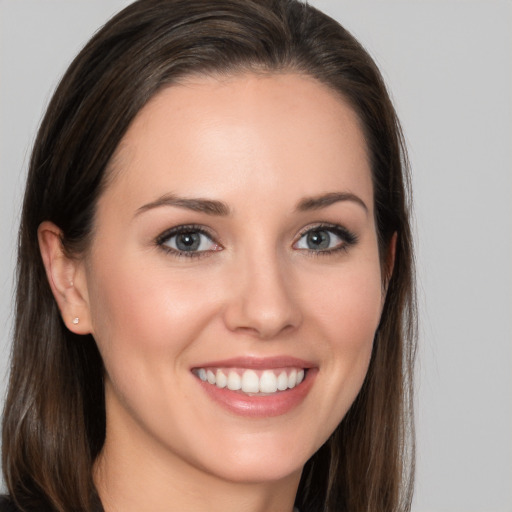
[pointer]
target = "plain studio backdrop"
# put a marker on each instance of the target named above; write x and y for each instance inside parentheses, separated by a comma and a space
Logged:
(448, 65)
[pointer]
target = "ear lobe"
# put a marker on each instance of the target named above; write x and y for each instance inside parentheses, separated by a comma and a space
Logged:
(66, 277)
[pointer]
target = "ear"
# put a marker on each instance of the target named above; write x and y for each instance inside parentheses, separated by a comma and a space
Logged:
(389, 263)
(67, 279)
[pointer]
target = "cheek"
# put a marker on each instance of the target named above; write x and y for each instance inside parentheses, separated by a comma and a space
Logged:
(349, 304)
(146, 316)
(347, 315)
(357, 316)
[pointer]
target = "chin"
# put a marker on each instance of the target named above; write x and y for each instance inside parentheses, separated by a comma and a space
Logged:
(261, 461)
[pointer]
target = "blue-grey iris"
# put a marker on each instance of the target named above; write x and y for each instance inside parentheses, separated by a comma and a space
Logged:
(318, 240)
(188, 241)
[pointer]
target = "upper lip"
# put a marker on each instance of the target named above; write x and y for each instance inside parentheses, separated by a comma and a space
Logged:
(251, 362)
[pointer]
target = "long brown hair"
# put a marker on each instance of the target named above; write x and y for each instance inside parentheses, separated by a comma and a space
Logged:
(54, 418)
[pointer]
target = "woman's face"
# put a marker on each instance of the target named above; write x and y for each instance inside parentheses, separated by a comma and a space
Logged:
(235, 243)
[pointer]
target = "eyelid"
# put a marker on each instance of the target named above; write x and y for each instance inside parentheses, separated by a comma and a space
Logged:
(348, 237)
(328, 226)
(164, 237)
(183, 228)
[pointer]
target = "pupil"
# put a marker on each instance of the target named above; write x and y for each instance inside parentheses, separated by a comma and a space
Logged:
(188, 241)
(318, 240)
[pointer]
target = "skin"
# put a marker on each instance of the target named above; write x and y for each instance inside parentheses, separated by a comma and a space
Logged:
(260, 144)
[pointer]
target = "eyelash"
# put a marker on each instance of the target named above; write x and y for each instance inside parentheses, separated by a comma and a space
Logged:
(347, 237)
(189, 228)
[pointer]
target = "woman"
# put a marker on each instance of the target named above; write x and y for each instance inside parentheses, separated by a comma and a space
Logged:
(215, 294)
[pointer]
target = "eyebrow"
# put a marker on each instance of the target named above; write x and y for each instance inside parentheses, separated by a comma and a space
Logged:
(325, 200)
(221, 209)
(208, 206)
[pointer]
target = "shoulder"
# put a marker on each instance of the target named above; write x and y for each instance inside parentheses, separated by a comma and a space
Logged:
(6, 505)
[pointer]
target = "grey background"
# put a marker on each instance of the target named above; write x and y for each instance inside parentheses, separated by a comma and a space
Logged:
(449, 66)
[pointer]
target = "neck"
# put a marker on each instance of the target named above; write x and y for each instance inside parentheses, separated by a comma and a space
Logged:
(131, 489)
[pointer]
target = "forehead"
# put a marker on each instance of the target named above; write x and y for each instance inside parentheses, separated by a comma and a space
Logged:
(217, 135)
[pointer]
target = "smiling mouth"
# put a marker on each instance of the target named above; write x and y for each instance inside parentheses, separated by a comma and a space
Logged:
(253, 382)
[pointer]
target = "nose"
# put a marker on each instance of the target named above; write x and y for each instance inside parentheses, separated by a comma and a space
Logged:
(262, 300)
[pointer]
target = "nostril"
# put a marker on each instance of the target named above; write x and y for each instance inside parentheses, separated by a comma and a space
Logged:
(262, 302)
(265, 330)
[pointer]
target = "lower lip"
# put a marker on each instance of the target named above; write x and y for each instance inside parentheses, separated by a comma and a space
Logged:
(256, 406)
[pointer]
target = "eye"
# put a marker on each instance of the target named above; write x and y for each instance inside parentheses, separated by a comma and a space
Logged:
(187, 241)
(325, 239)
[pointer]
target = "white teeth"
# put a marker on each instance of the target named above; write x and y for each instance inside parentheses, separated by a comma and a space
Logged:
(268, 382)
(234, 381)
(250, 382)
(282, 381)
(292, 379)
(210, 377)
(221, 379)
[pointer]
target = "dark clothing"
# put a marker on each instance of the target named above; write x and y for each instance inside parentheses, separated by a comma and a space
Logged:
(6, 505)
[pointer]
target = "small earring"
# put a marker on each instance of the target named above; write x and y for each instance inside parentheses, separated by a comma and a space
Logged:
(76, 320)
